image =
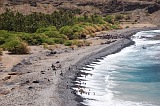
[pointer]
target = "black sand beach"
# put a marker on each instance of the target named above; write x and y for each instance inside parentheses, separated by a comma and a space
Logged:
(69, 97)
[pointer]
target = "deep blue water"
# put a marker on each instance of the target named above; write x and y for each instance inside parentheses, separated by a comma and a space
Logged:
(128, 78)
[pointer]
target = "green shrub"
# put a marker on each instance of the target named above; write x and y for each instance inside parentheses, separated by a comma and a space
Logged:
(17, 47)
(2, 40)
(58, 40)
(51, 28)
(115, 27)
(68, 31)
(97, 19)
(109, 19)
(50, 41)
(38, 39)
(27, 38)
(77, 28)
(55, 34)
(6, 34)
(68, 43)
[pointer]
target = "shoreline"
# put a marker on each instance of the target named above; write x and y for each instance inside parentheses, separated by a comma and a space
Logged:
(92, 57)
(33, 82)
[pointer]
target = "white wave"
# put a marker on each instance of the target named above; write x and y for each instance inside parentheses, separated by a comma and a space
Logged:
(107, 100)
(103, 82)
(147, 33)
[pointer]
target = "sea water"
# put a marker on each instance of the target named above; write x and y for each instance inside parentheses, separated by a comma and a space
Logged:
(130, 77)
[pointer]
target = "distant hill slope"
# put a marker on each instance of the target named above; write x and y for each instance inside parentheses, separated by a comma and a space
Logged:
(140, 7)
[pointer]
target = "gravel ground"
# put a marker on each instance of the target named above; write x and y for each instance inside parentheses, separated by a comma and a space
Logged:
(33, 82)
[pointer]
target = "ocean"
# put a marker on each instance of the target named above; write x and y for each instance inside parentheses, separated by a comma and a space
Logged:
(130, 77)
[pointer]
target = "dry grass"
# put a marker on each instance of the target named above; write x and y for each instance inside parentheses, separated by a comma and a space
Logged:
(90, 29)
(52, 47)
(72, 47)
(45, 46)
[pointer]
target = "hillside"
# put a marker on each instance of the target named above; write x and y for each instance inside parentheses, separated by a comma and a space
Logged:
(91, 6)
(145, 10)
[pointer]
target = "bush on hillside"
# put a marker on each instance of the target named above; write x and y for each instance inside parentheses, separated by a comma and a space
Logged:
(17, 47)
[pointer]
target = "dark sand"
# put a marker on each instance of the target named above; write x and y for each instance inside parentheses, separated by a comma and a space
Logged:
(68, 96)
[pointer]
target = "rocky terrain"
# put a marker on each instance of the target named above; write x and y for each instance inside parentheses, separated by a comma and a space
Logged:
(143, 10)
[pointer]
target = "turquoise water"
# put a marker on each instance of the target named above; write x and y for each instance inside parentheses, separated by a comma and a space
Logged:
(128, 78)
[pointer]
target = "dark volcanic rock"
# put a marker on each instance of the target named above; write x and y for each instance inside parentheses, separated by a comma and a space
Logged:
(112, 7)
(153, 8)
(32, 3)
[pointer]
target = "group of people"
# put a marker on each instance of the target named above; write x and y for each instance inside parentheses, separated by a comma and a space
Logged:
(54, 68)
